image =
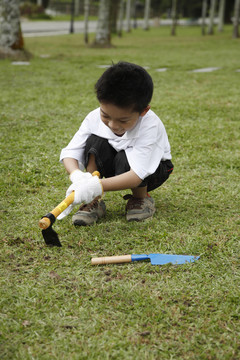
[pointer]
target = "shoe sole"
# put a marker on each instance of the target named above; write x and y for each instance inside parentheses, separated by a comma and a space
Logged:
(132, 218)
(80, 223)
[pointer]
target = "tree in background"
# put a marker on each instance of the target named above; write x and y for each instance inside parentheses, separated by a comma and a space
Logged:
(146, 14)
(204, 13)
(111, 14)
(211, 19)
(103, 34)
(76, 7)
(128, 15)
(86, 15)
(236, 19)
(174, 17)
(120, 18)
(11, 39)
(114, 11)
(221, 12)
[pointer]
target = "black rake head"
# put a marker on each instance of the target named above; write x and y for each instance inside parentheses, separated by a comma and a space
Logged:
(51, 237)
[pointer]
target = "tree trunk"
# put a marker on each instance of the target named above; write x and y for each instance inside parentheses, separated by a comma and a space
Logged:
(204, 12)
(77, 7)
(86, 15)
(103, 35)
(211, 18)
(146, 14)
(128, 15)
(135, 25)
(221, 12)
(10, 27)
(174, 17)
(236, 19)
(72, 17)
(120, 18)
(114, 9)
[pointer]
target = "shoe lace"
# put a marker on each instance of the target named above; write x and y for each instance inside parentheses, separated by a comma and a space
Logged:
(133, 202)
(90, 206)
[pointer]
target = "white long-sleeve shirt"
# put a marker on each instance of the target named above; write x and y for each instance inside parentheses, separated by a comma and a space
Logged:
(145, 145)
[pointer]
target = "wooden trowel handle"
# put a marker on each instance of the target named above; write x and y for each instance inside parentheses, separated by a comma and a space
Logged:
(111, 260)
(45, 222)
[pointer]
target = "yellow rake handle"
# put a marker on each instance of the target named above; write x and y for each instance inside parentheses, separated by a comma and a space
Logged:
(45, 222)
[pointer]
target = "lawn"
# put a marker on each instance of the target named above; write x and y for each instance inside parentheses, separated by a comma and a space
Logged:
(54, 304)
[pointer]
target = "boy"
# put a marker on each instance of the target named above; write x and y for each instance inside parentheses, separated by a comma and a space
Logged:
(125, 141)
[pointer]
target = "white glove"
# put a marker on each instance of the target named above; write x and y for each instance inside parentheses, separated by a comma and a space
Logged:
(84, 192)
(78, 175)
(75, 176)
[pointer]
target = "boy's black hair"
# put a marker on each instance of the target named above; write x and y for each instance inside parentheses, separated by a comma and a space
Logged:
(125, 85)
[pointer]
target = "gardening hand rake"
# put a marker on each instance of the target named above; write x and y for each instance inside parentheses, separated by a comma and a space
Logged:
(45, 223)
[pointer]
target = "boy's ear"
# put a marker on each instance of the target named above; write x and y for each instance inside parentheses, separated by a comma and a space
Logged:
(145, 110)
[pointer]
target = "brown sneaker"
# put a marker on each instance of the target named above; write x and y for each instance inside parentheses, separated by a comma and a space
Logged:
(138, 209)
(88, 214)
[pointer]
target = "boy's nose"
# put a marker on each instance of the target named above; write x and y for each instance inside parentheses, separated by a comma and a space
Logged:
(112, 125)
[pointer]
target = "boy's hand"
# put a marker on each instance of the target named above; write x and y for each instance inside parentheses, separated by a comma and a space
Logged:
(84, 192)
(78, 175)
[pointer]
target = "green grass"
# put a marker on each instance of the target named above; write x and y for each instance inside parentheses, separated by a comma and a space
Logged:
(54, 304)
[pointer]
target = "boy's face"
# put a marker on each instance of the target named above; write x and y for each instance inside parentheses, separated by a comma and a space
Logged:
(119, 120)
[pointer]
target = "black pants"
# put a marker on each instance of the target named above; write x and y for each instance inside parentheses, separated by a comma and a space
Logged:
(111, 163)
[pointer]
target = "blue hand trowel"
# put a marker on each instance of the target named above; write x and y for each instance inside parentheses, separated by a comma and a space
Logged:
(156, 259)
